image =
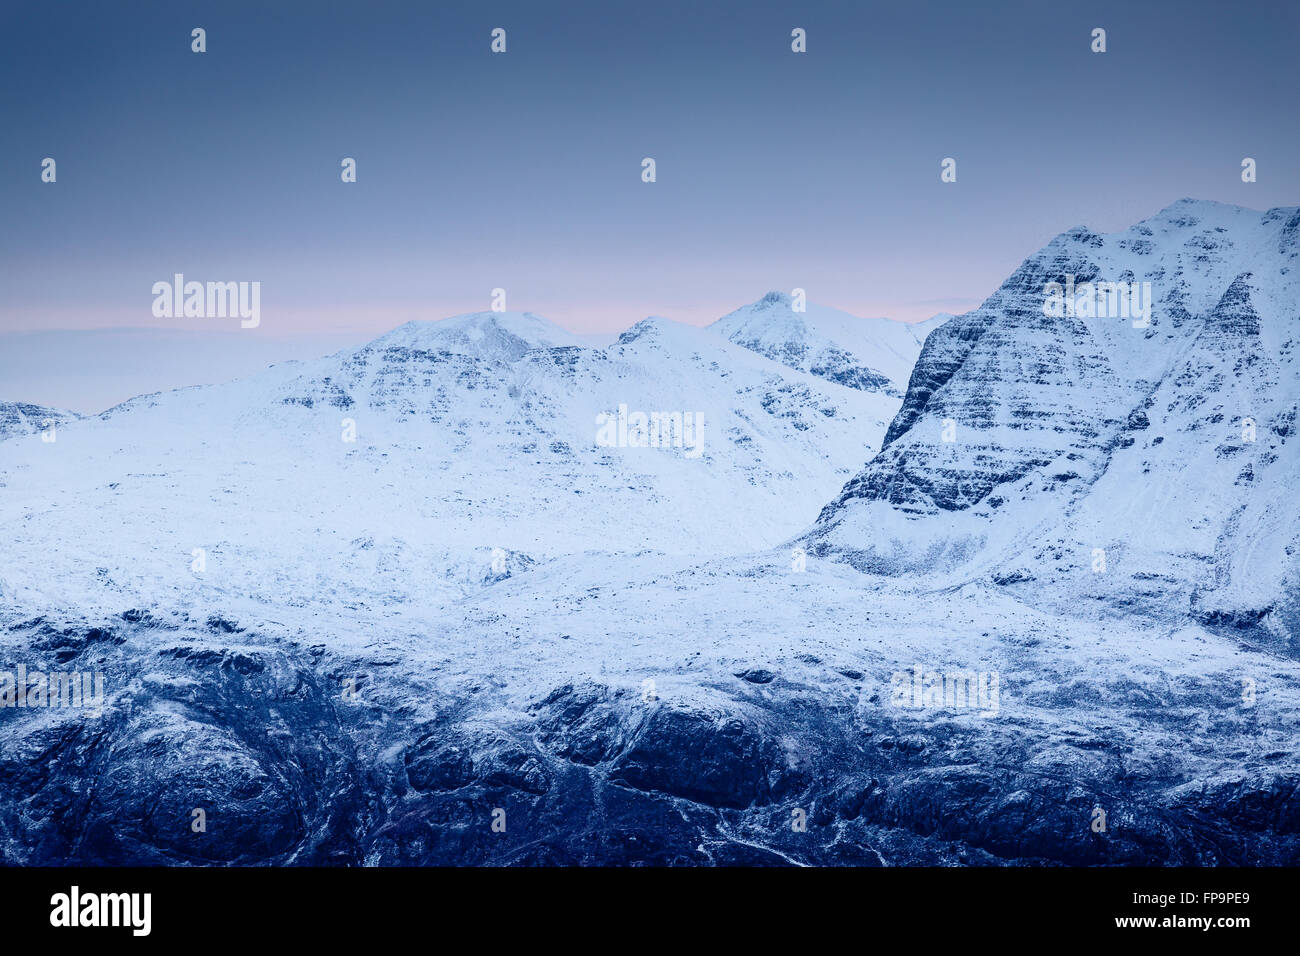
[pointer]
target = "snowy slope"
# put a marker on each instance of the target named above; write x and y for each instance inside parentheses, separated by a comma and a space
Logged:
(874, 355)
(471, 434)
(638, 709)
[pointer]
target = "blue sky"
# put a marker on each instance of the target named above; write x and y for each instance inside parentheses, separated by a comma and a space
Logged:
(522, 170)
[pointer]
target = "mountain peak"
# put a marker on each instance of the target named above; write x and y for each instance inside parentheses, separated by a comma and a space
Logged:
(1187, 212)
(1117, 422)
(657, 328)
(773, 299)
(501, 334)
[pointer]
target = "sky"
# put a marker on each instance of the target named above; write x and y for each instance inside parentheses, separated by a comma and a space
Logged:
(522, 170)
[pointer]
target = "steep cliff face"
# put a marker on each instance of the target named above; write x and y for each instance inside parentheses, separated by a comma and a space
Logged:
(1027, 440)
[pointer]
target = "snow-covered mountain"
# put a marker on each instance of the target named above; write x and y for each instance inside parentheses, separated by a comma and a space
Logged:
(352, 676)
(874, 355)
(1164, 454)
(393, 470)
(19, 418)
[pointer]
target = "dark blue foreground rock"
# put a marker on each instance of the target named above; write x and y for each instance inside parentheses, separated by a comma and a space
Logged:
(287, 771)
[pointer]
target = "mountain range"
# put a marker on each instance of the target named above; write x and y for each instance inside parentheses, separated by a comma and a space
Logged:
(362, 607)
(399, 467)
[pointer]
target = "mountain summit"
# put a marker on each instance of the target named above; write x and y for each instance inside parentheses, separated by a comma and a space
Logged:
(872, 355)
(503, 334)
(1034, 446)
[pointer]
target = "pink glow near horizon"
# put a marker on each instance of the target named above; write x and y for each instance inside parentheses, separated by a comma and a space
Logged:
(294, 323)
